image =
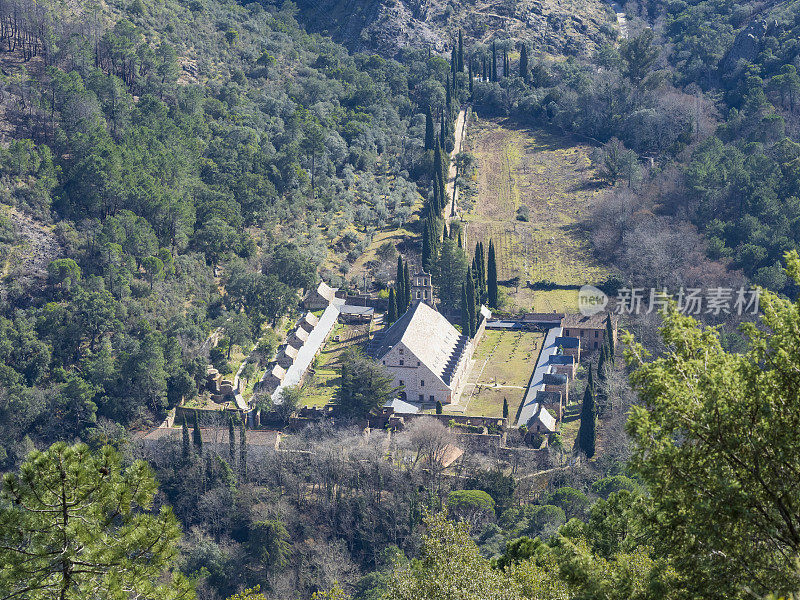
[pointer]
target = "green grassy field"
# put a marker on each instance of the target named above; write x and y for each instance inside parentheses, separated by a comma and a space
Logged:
(552, 177)
(504, 361)
(321, 386)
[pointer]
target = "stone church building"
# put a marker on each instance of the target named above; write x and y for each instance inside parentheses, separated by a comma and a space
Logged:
(426, 355)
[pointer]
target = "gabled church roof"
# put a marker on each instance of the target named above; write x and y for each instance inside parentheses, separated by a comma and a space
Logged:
(429, 337)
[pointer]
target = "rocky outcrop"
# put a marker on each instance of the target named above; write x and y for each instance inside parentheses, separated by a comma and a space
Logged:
(746, 46)
(387, 26)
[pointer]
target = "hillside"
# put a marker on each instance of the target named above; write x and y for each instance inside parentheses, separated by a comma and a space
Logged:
(557, 27)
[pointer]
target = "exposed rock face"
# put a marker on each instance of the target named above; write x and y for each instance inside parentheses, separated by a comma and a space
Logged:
(746, 46)
(387, 26)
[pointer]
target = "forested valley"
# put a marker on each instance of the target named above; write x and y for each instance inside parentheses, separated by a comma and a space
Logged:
(174, 175)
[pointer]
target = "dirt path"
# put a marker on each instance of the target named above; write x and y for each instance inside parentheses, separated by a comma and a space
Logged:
(452, 192)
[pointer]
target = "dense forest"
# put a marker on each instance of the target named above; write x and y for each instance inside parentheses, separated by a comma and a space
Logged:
(175, 171)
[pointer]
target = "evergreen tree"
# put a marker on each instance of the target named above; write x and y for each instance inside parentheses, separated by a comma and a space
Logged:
(398, 283)
(187, 446)
(454, 60)
(75, 524)
(494, 62)
(471, 302)
(438, 407)
(406, 287)
(427, 251)
(470, 76)
(243, 449)
(610, 337)
(444, 232)
(231, 442)
(448, 104)
(460, 51)
(491, 276)
(391, 314)
(523, 62)
(588, 428)
(460, 242)
(505, 408)
(466, 320)
(429, 133)
(483, 61)
(197, 436)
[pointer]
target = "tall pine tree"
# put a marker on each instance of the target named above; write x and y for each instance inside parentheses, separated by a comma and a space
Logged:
(427, 251)
(491, 276)
(231, 442)
(470, 283)
(466, 319)
(610, 337)
(587, 433)
(429, 133)
(406, 287)
(187, 445)
(460, 51)
(523, 62)
(197, 436)
(243, 449)
(494, 62)
(391, 314)
(398, 284)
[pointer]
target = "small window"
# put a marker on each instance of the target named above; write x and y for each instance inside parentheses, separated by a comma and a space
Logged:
(401, 350)
(417, 294)
(581, 332)
(401, 382)
(401, 362)
(384, 362)
(433, 398)
(595, 334)
(422, 397)
(595, 344)
(566, 332)
(425, 294)
(418, 363)
(421, 383)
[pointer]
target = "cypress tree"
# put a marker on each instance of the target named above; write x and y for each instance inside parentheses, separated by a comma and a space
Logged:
(471, 302)
(429, 134)
(601, 363)
(588, 428)
(460, 51)
(448, 102)
(406, 287)
(398, 284)
(505, 408)
(460, 243)
(438, 407)
(523, 62)
(444, 232)
(494, 62)
(197, 436)
(610, 337)
(243, 449)
(484, 68)
(506, 65)
(187, 447)
(491, 276)
(426, 248)
(466, 320)
(443, 127)
(391, 314)
(453, 60)
(469, 74)
(231, 442)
